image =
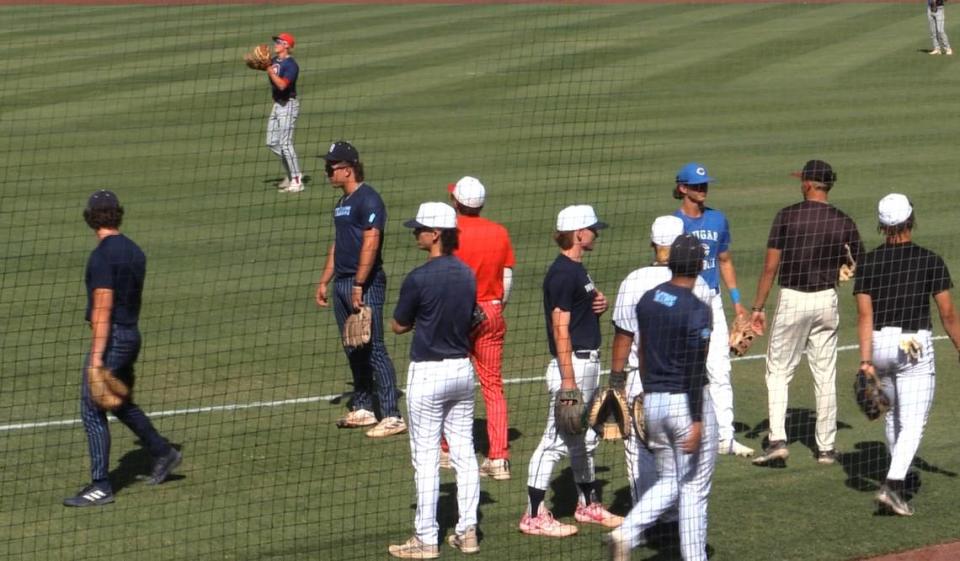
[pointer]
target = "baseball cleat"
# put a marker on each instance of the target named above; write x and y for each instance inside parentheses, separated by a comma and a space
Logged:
(388, 426)
(827, 457)
(948, 52)
(283, 184)
(777, 450)
(445, 460)
(495, 469)
(414, 549)
(733, 448)
(935, 51)
(544, 524)
(91, 495)
(615, 547)
(357, 419)
(466, 542)
(164, 466)
(595, 513)
(891, 499)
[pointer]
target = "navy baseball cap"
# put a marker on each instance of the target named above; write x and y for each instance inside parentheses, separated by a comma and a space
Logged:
(693, 174)
(816, 170)
(686, 256)
(103, 199)
(342, 151)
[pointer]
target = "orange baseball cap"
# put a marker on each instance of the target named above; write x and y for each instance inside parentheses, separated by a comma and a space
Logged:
(287, 38)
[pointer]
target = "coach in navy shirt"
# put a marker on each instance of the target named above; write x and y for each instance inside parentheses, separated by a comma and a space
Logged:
(436, 302)
(355, 264)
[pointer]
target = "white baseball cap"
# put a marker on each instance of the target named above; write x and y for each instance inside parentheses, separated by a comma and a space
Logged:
(665, 229)
(577, 217)
(468, 191)
(894, 209)
(434, 215)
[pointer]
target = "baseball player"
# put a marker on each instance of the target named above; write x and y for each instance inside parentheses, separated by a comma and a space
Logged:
(283, 74)
(114, 277)
(572, 306)
(437, 298)
(893, 287)
(674, 329)
(937, 21)
(808, 243)
(355, 264)
(712, 228)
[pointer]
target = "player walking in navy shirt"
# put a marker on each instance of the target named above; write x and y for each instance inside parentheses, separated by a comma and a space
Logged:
(436, 302)
(114, 278)
(283, 74)
(355, 264)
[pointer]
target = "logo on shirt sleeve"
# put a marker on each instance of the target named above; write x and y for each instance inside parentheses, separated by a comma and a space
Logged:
(664, 298)
(705, 333)
(373, 216)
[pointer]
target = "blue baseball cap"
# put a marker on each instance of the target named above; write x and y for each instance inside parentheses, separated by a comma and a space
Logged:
(693, 174)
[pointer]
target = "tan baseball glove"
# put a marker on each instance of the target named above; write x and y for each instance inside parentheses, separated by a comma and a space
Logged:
(848, 269)
(568, 412)
(358, 328)
(258, 58)
(741, 336)
(639, 421)
(106, 390)
(609, 413)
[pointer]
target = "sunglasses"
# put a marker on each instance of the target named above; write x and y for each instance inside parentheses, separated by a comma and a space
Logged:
(330, 168)
(699, 187)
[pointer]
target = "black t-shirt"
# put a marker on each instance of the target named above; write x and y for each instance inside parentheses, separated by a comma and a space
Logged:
(354, 214)
(900, 279)
(812, 236)
(118, 264)
(568, 287)
(675, 328)
(437, 298)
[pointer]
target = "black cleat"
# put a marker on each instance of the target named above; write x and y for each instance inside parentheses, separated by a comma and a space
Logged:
(164, 466)
(91, 495)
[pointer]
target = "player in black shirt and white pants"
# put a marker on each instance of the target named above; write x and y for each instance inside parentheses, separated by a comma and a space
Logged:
(893, 288)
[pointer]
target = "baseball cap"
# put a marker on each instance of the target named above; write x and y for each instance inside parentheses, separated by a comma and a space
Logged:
(342, 151)
(468, 191)
(665, 230)
(434, 215)
(894, 209)
(577, 217)
(287, 38)
(686, 255)
(816, 170)
(693, 174)
(103, 199)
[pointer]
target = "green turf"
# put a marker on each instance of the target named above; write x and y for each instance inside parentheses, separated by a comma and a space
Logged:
(549, 105)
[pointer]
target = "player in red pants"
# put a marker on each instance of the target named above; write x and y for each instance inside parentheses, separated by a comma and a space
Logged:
(485, 247)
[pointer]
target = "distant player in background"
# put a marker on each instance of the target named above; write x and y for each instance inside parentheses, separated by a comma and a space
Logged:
(436, 302)
(115, 274)
(894, 284)
(713, 230)
(809, 241)
(937, 21)
(283, 74)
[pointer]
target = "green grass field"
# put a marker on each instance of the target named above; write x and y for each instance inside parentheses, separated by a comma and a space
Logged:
(549, 105)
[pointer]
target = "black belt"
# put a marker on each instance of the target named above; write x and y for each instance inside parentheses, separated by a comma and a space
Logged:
(584, 354)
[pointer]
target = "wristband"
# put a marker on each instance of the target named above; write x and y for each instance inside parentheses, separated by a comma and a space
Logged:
(866, 362)
(756, 309)
(735, 295)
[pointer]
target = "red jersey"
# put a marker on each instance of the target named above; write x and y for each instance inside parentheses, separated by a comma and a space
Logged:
(485, 247)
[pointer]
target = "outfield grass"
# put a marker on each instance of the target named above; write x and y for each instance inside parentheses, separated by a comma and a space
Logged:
(549, 105)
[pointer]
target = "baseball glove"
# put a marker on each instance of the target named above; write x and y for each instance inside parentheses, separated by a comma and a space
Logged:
(848, 269)
(639, 421)
(258, 58)
(106, 390)
(741, 336)
(358, 328)
(569, 416)
(871, 399)
(478, 317)
(609, 413)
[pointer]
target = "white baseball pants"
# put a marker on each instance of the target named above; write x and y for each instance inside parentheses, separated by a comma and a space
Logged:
(718, 370)
(937, 22)
(440, 397)
(283, 119)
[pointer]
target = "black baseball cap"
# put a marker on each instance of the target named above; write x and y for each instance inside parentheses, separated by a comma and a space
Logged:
(342, 151)
(103, 199)
(816, 170)
(686, 256)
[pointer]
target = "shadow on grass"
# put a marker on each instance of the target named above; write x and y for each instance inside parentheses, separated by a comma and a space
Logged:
(867, 464)
(447, 513)
(801, 427)
(481, 441)
(135, 466)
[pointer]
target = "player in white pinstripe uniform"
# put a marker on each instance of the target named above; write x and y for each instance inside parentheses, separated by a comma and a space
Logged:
(893, 287)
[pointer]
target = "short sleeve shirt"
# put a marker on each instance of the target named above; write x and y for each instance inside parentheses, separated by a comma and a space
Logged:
(352, 216)
(814, 239)
(437, 299)
(900, 279)
(485, 247)
(568, 287)
(289, 70)
(713, 231)
(117, 264)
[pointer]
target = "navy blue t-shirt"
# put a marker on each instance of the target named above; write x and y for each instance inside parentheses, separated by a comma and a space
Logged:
(288, 70)
(354, 214)
(568, 287)
(675, 329)
(437, 298)
(120, 265)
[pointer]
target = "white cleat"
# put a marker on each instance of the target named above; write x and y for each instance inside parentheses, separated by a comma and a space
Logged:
(733, 448)
(283, 184)
(936, 51)
(948, 52)
(296, 185)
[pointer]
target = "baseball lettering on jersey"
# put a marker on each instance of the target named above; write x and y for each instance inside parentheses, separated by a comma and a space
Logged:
(342, 211)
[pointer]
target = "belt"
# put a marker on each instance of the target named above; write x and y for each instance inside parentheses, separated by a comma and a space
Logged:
(494, 302)
(586, 355)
